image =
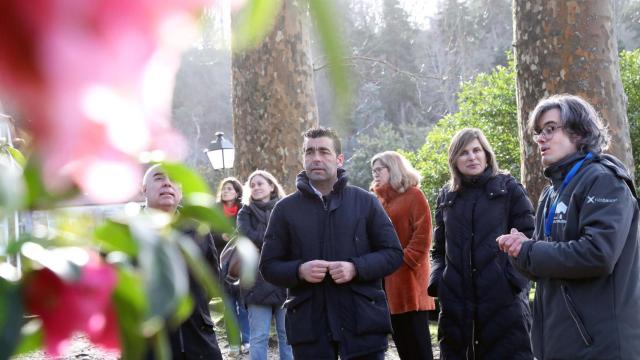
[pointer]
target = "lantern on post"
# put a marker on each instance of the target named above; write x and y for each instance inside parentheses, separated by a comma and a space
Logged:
(220, 152)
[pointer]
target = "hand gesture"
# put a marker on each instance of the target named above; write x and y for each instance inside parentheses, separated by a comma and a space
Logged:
(313, 271)
(342, 271)
(511, 243)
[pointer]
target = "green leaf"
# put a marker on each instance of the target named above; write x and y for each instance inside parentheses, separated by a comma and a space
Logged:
(183, 311)
(204, 275)
(12, 186)
(198, 266)
(113, 236)
(131, 305)
(325, 14)
(209, 215)
(37, 195)
(17, 155)
(11, 311)
(253, 23)
(190, 181)
(164, 272)
(31, 339)
(160, 343)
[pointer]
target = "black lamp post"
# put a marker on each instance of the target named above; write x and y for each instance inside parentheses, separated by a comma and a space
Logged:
(220, 152)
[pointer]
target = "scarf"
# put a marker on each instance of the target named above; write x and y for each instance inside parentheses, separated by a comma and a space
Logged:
(230, 211)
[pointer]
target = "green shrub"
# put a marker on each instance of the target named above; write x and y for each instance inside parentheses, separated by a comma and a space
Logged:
(488, 102)
(630, 74)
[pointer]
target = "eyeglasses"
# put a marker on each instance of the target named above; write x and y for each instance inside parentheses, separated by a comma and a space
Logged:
(378, 170)
(546, 132)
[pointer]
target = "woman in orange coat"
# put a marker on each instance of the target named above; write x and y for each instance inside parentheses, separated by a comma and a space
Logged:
(395, 183)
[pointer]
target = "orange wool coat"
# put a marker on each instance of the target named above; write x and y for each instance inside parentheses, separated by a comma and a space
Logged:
(406, 288)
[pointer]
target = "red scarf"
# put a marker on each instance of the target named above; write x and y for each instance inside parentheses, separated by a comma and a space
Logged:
(230, 211)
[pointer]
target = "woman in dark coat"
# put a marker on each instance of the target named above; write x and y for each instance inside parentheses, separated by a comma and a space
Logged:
(484, 309)
(263, 300)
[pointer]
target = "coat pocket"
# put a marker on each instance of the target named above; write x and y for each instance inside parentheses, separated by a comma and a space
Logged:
(371, 310)
(298, 321)
(575, 315)
(360, 238)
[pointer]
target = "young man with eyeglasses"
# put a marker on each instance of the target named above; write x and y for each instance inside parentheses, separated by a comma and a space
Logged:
(584, 253)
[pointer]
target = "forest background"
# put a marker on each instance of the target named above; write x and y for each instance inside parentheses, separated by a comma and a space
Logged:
(442, 71)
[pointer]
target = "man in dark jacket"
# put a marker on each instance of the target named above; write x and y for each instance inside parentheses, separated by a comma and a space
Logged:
(584, 252)
(331, 244)
(195, 338)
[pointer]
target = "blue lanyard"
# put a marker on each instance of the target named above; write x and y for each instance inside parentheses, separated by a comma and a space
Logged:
(552, 211)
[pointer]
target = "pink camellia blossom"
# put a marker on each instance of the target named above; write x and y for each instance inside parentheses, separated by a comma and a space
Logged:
(83, 305)
(91, 79)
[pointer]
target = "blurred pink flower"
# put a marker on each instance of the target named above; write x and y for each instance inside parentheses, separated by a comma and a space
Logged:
(79, 306)
(94, 80)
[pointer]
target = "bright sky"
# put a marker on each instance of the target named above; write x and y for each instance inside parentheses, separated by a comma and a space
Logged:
(419, 10)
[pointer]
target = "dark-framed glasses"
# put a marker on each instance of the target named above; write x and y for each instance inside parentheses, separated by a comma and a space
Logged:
(546, 132)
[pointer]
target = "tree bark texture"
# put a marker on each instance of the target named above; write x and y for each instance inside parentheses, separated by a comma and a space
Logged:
(274, 99)
(567, 47)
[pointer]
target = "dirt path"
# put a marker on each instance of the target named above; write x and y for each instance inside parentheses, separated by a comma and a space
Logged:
(82, 349)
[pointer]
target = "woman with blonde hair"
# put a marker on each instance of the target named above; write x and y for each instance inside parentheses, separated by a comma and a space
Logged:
(263, 300)
(395, 183)
(484, 306)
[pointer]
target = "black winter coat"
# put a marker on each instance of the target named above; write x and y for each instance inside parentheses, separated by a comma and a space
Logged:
(253, 226)
(195, 337)
(350, 225)
(484, 309)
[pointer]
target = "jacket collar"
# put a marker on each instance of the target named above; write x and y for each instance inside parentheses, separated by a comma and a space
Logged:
(386, 193)
(303, 185)
(558, 171)
(494, 186)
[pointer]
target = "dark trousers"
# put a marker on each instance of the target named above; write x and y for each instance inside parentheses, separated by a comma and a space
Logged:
(327, 349)
(378, 355)
(411, 335)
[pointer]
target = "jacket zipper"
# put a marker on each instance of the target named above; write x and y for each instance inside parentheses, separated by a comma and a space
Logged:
(576, 318)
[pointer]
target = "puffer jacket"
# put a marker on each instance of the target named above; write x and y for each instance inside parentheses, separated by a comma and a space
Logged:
(484, 311)
(587, 303)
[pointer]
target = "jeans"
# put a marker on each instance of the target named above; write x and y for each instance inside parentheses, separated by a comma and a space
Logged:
(260, 323)
(237, 307)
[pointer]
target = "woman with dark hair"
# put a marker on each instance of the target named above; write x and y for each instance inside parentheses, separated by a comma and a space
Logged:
(229, 199)
(484, 308)
(395, 183)
(264, 300)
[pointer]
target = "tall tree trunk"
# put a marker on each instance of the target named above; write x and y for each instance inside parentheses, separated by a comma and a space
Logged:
(274, 99)
(567, 47)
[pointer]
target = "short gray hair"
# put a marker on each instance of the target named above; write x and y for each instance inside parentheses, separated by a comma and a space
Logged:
(580, 121)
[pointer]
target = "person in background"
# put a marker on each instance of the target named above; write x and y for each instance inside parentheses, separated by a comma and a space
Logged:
(229, 200)
(331, 244)
(195, 337)
(584, 254)
(264, 300)
(395, 183)
(484, 306)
